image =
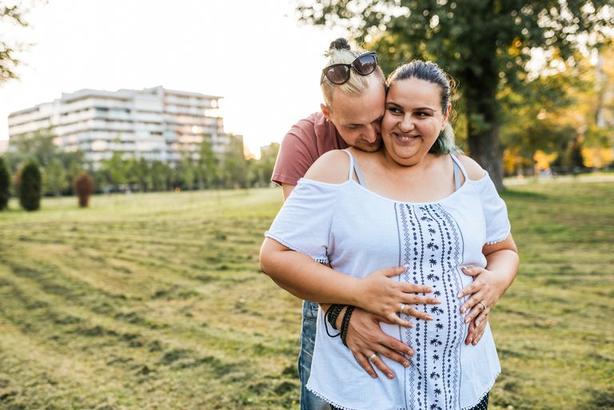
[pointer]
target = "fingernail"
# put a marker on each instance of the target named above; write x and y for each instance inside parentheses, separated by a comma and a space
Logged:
(467, 320)
(429, 317)
(406, 364)
(460, 294)
(390, 376)
(406, 267)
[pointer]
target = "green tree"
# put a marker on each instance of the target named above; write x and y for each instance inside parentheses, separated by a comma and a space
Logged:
(207, 166)
(30, 187)
(600, 115)
(5, 185)
(484, 44)
(234, 166)
(543, 115)
(261, 170)
(59, 168)
(38, 147)
(160, 176)
(54, 178)
(186, 172)
(115, 170)
(130, 166)
(141, 170)
(10, 15)
(74, 165)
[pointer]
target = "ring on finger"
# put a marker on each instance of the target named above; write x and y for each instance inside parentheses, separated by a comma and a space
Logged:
(482, 305)
(372, 357)
(402, 310)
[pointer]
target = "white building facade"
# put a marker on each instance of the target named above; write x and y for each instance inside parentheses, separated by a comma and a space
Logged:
(153, 123)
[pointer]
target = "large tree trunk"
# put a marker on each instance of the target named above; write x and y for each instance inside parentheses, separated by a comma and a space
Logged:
(480, 92)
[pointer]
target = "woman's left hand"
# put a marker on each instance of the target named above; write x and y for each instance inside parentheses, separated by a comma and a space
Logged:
(485, 292)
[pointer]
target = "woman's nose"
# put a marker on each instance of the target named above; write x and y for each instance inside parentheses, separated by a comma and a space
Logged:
(406, 124)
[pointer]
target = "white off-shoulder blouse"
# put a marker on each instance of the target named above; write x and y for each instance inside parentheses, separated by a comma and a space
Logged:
(358, 231)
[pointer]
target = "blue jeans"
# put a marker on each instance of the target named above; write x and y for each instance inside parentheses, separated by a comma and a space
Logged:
(309, 401)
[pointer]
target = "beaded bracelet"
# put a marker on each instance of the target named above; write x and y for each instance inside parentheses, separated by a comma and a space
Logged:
(345, 324)
(332, 314)
(326, 315)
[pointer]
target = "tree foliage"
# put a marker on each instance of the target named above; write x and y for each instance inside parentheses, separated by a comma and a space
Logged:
(5, 185)
(261, 171)
(59, 168)
(483, 44)
(202, 169)
(234, 166)
(30, 187)
(10, 15)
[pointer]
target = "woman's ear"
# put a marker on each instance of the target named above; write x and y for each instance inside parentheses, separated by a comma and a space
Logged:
(446, 116)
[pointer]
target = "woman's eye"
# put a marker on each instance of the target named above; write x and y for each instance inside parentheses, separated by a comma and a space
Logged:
(422, 114)
(394, 110)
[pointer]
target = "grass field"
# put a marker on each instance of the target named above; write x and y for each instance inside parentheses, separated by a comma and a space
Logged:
(155, 301)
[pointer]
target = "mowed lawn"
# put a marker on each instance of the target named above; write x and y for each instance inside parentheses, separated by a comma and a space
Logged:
(150, 301)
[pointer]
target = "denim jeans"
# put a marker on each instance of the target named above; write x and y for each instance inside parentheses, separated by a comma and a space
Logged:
(309, 401)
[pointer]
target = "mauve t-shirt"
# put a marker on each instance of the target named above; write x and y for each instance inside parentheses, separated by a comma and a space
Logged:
(306, 141)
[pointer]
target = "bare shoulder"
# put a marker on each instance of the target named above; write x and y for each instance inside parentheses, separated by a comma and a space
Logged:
(474, 170)
(332, 167)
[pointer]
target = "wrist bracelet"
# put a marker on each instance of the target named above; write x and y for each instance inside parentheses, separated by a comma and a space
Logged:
(332, 314)
(326, 320)
(345, 324)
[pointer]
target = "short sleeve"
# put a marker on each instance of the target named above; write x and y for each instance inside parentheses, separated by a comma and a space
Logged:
(304, 222)
(495, 212)
(293, 159)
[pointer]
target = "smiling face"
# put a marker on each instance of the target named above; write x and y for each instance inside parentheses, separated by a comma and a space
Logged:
(357, 117)
(413, 120)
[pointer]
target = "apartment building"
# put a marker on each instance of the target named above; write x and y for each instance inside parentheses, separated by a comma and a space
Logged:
(153, 123)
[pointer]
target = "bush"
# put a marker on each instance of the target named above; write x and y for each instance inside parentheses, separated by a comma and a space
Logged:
(30, 186)
(5, 184)
(84, 187)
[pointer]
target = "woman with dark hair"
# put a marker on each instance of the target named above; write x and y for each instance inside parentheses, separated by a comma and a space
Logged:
(416, 204)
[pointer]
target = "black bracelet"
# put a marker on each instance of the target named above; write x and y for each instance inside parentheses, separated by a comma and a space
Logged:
(326, 322)
(332, 314)
(345, 324)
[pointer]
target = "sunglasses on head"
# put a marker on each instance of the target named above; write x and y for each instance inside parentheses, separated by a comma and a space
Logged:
(339, 74)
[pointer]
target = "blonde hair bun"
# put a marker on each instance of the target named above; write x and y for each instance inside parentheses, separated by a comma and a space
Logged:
(339, 44)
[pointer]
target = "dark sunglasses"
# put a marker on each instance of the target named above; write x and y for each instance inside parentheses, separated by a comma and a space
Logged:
(339, 74)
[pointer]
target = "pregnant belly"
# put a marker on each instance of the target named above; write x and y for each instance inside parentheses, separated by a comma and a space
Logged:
(434, 374)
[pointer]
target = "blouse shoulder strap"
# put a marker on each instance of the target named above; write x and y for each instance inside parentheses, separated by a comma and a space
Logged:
(351, 167)
(458, 165)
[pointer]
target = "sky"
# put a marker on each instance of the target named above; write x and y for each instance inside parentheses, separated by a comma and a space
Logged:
(254, 54)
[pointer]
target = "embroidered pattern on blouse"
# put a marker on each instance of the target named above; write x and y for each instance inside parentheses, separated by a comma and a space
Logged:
(431, 245)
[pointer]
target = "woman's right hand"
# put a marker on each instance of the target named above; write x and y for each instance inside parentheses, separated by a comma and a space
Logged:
(383, 296)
